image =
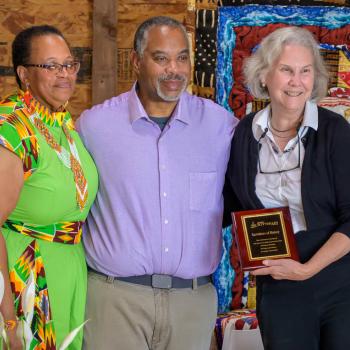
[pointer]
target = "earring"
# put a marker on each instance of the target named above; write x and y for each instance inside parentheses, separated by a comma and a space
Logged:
(27, 86)
(263, 85)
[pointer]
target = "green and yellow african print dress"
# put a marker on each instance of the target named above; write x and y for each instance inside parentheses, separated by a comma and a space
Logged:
(43, 234)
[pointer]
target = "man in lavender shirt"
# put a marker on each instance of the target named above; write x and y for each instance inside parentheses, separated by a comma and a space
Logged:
(153, 236)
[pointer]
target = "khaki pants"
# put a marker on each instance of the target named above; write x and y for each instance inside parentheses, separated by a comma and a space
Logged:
(126, 316)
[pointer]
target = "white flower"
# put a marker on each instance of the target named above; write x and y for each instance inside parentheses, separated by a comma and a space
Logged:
(70, 337)
(25, 333)
(2, 286)
(28, 298)
(3, 334)
(2, 326)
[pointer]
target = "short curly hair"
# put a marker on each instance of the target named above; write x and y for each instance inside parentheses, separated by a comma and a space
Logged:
(262, 60)
(141, 34)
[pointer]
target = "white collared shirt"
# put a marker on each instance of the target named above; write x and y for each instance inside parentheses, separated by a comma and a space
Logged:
(282, 189)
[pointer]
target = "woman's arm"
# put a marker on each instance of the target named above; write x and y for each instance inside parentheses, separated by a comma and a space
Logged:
(11, 182)
(335, 248)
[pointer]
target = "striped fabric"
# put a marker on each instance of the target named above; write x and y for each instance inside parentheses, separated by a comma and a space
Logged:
(61, 232)
(243, 320)
(28, 272)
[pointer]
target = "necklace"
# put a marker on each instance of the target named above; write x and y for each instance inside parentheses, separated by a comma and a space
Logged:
(281, 137)
(273, 128)
(269, 124)
(70, 158)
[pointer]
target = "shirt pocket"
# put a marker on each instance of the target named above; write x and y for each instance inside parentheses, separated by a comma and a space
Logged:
(202, 190)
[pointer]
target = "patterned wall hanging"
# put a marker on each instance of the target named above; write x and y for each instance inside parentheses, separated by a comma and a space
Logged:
(284, 2)
(205, 53)
(240, 30)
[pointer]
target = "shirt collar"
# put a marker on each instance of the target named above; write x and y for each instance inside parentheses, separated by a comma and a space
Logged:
(135, 106)
(49, 118)
(310, 115)
(260, 119)
(137, 111)
(181, 111)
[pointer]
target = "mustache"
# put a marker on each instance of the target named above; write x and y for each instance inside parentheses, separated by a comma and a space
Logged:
(165, 77)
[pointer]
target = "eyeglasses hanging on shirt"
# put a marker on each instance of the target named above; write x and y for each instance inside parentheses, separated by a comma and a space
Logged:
(286, 151)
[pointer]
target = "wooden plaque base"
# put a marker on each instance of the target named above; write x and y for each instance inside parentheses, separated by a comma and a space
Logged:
(263, 234)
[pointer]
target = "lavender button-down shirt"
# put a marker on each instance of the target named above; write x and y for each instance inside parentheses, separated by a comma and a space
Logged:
(159, 205)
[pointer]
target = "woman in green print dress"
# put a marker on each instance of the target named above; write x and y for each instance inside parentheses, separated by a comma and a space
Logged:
(48, 182)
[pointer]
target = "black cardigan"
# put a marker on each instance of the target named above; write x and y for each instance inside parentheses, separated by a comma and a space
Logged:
(325, 177)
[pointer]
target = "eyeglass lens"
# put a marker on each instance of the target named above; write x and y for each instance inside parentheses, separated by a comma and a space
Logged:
(71, 68)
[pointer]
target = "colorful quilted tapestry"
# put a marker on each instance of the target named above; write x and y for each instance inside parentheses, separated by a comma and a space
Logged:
(337, 105)
(240, 29)
(284, 2)
(205, 53)
(243, 319)
(224, 276)
(230, 281)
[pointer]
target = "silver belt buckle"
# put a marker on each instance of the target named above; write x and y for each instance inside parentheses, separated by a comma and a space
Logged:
(161, 281)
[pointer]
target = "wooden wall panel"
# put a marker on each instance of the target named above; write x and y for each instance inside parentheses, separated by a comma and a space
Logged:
(130, 15)
(80, 100)
(74, 19)
(5, 54)
(104, 68)
(7, 85)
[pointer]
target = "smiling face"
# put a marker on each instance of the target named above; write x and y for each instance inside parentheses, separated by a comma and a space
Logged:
(290, 80)
(51, 89)
(163, 70)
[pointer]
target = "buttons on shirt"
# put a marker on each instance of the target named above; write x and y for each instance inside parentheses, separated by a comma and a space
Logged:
(166, 249)
(164, 194)
(166, 221)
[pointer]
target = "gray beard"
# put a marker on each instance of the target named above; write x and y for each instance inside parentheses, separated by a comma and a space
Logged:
(171, 98)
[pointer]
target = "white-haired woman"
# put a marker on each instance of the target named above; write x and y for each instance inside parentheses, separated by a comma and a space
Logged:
(294, 153)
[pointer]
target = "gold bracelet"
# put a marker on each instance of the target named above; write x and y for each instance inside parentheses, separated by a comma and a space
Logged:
(10, 325)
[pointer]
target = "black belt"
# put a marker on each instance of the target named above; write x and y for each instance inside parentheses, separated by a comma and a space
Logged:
(158, 281)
